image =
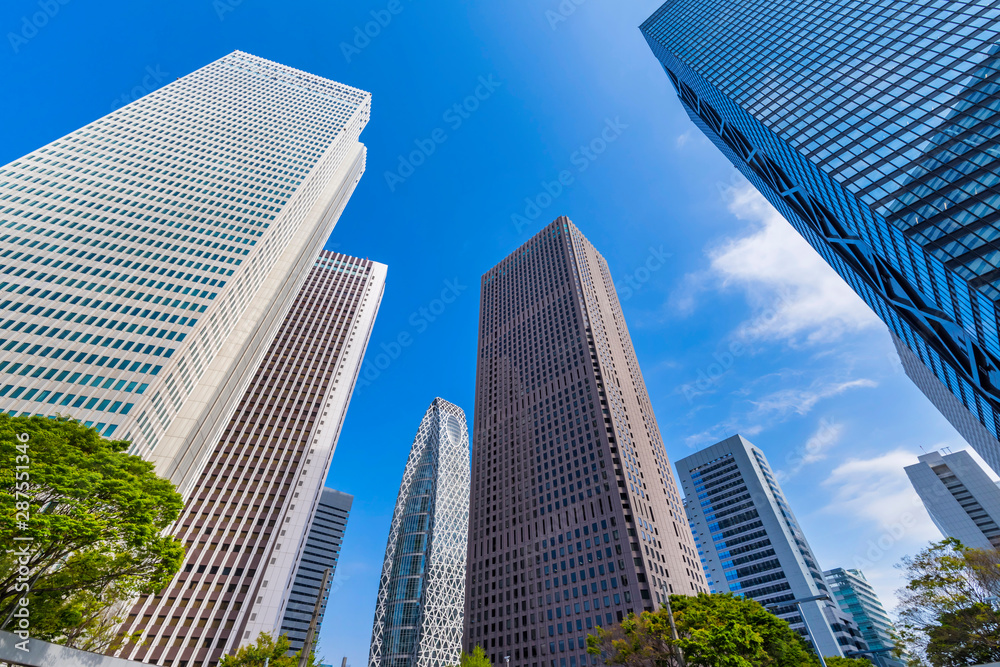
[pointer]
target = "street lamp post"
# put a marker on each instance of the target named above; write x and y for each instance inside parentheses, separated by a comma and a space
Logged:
(673, 627)
(798, 605)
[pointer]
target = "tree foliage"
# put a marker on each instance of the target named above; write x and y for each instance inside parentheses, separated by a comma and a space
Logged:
(837, 661)
(82, 521)
(267, 650)
(476, 659)
(713, 631)
(948, 608)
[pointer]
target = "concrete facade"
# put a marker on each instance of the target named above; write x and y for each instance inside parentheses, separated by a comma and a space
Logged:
(751, 544)
(962, 500)
(576, 517)
(152, 255)
(246, 522)
(321, 551)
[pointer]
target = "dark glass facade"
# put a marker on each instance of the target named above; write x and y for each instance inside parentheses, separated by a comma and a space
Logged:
(872, 127)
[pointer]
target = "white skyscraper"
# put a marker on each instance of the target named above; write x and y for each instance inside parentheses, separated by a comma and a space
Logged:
(962, 500)
(147, 259)
(751, 544)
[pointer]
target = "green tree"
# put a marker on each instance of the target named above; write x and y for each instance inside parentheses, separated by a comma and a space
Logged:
(948, 608)
(82, 521)
(477, 659)
(266, 650)
(713, 630)
(837, 661)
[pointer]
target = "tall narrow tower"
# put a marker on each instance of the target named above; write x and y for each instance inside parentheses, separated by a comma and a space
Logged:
(576, 518)
(421, 595)
(149, 257)
(246, 523)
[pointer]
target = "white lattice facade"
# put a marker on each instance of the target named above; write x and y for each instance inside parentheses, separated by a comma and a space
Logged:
(421, 597)
(147, 259)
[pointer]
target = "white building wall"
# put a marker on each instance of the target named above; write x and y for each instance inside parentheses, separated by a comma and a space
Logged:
(962, 500)
(147, 259)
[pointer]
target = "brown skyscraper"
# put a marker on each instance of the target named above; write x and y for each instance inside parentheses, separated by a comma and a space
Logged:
(575, 518)
(245, 522)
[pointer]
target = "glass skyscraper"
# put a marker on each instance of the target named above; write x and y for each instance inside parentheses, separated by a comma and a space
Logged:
(421, 595)
(855, 596)
(148, 258)
(750, 543)
(872, 127)
(576, 516)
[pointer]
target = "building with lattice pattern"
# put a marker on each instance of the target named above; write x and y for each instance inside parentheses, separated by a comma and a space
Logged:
(421, 595)
(576, 517)
(148, 258)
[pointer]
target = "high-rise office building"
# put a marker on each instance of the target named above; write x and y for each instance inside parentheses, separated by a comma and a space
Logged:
(873, 130)
(751, 544)
(245, 523)
(149, 257)
(576, 518)
(421, 595)
(962, 500)
(321, 551)
(855, 596)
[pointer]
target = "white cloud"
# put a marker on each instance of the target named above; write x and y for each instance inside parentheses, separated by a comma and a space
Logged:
(786, 402)
(683, 139)
(877, 490)
(798, 298)
(827, 436)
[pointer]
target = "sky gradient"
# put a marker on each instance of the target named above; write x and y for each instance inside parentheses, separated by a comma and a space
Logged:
(477, 109)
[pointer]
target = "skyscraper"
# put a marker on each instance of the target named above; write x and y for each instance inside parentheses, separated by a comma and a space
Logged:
(576, 519)
(855, 596)
(245, 523)
(322, 550)
(421, 595)
(873, 130)
(149, 257)
(751, 544)
(962, 500)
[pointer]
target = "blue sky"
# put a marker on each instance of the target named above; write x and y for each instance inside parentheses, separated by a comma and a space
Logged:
(816, 383)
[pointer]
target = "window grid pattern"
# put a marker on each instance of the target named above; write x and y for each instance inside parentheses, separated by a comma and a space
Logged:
(130, 248)
(247, 517)
(421, 596)
(866, 126)
(855, 596)
(322, 550)
(751, 544)
(576, 518)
